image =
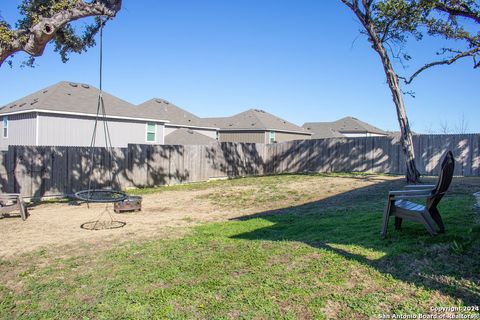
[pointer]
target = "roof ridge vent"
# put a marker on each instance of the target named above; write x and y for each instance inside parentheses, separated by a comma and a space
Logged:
(86, 86)
(157, 100)
(73, 84)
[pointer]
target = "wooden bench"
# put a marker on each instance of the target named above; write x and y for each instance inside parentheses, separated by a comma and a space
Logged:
(11, 202)
(400, 206)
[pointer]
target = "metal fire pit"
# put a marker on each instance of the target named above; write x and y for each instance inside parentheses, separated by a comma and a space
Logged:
(131, 203)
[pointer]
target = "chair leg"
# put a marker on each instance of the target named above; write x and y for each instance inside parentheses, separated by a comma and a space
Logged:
(398, 223)
(386, 217)
(435, 214)
(22, 208)
(428, 223)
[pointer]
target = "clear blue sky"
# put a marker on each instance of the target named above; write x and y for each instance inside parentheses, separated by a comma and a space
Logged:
(301, 60)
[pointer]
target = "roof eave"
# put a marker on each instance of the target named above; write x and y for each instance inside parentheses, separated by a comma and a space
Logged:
(191, 126)
(266, 129)
(68, 113)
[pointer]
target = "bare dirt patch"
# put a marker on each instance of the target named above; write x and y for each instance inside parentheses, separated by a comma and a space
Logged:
(56, 226)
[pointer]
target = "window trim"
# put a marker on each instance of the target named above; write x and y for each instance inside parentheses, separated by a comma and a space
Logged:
(272, 135)
(5, 126)
(154, 132)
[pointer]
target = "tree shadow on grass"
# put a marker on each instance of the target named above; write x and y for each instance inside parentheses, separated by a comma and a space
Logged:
(349, 225)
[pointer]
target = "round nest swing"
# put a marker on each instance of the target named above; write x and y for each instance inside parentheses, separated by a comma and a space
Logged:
(105, 220)
(101, 195)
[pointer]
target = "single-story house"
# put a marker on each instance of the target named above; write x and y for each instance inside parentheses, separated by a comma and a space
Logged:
(184, 136)
(183, 127)
(257, 126)
(64, 115)
(346, 127)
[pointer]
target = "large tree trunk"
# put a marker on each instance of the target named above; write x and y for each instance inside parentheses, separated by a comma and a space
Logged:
(406, 137)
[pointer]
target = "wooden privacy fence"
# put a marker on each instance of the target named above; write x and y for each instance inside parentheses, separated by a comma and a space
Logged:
(42, 171)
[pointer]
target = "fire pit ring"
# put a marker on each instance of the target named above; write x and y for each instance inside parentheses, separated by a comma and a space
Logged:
(130, 204)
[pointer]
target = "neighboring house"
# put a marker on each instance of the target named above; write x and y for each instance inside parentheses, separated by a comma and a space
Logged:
(179, 119)
(64, 115)
(257, 126)
(184, 136)
(346, 127)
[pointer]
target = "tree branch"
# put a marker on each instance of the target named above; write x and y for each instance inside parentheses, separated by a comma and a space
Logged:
(457, 11)
(34, 40)
(470, 53)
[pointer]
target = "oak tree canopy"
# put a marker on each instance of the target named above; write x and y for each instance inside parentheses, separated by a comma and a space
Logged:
(43, 21)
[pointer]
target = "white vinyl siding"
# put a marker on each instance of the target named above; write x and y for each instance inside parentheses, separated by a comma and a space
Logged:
(58, 130)
(151, 132)
(20, 130)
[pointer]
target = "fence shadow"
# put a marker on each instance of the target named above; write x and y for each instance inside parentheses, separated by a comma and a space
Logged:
(236, 159)
(36, 171)
(349, 224)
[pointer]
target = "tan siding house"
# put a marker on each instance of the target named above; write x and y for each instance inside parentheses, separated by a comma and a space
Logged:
(349, 127)
(257, 126)
(180, 122)
(242, 136)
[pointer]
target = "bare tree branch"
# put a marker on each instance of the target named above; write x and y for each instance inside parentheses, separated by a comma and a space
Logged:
(470, 53)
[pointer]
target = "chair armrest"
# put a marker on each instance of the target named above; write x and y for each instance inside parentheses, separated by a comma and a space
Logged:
(420, 186)
(9, 195)
(419, 196)
(405, 194)
(410, 192)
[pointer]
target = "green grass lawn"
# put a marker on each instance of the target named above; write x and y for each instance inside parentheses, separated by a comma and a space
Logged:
(315, 260)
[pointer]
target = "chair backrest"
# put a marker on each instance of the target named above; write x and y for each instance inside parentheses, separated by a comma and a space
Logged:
(446, 175)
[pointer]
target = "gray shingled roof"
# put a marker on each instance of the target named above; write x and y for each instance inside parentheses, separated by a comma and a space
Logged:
(160, 108)
(75, 98)
(322, 130)
(254, 119)
(185, 136)
(344, 125)
(353, 125)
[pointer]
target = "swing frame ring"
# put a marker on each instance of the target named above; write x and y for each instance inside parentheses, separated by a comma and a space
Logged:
(95, 195)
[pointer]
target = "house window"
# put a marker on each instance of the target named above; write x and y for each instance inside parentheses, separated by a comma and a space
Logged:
(151, 131)
(5, 127)
(272, 137)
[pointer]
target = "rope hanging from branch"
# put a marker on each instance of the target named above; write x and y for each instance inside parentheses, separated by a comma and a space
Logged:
(94, 193)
